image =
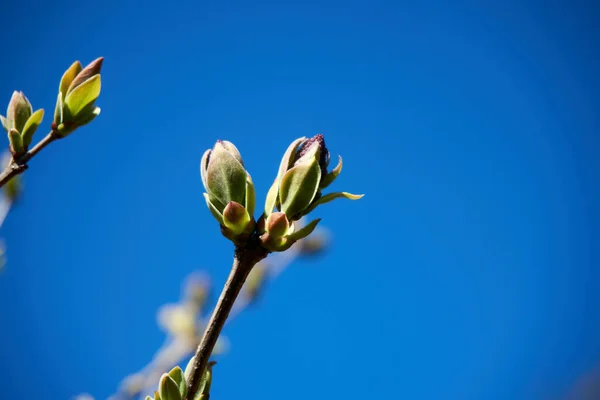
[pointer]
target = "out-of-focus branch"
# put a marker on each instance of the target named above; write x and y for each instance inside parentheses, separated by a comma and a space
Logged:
(184, 322)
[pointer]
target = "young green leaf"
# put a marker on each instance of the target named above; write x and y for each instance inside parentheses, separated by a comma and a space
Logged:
(298, 188)
(31, 126)
(168, 389)
(177, 375)
(83, 95)
(68, 77)
(16, 142)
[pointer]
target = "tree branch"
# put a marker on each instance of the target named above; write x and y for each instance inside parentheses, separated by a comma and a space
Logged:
(18, 166)
(243, 261)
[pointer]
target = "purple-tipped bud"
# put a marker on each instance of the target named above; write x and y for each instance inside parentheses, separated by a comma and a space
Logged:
(302, 175)
(322, 152)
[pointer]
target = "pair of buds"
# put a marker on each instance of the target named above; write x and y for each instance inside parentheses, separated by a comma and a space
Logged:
(75, 106)
(296, 192)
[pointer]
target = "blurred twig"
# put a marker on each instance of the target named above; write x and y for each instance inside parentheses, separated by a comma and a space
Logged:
(185, 321)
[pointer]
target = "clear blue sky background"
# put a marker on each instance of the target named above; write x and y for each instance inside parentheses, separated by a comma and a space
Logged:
(468, 271)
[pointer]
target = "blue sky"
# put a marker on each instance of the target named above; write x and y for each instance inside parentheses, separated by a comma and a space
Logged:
(468, 271)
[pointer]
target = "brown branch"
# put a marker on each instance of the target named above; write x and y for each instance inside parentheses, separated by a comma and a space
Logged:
(19, 165)
(243, 261)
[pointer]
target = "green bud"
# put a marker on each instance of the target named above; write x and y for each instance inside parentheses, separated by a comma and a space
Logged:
(20, 123)
(223, 175)
(300, 184)
(276, 228)
(92, 69)
(18, 112)
(236, 217)
(81, 97)
(302, 175)
(168, 389)
(277, 224)
(273, 242)
(230, 194)
(78, 91)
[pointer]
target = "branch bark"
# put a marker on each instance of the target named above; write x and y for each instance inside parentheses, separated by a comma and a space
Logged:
(18, 166)
(245, 258)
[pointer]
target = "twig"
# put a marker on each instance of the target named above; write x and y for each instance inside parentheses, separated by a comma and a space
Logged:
(173, 351)
(18, 166)
(243, 261)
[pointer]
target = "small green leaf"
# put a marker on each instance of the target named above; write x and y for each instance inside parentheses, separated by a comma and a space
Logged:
(58, 110)
(5, 123)
(68, 77)
(271, 198)
(298, 188)
(304, 231)
(188, 368)
(177, 375)
(289, 157)
(16, 142)
(213, 210)
(168, 389)
(205, 382)
(87, 117)
(204, 167)
(148, 398)
(332, 196)
(83, 95)
(250, 196)
(31, 126)
(330, 177)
